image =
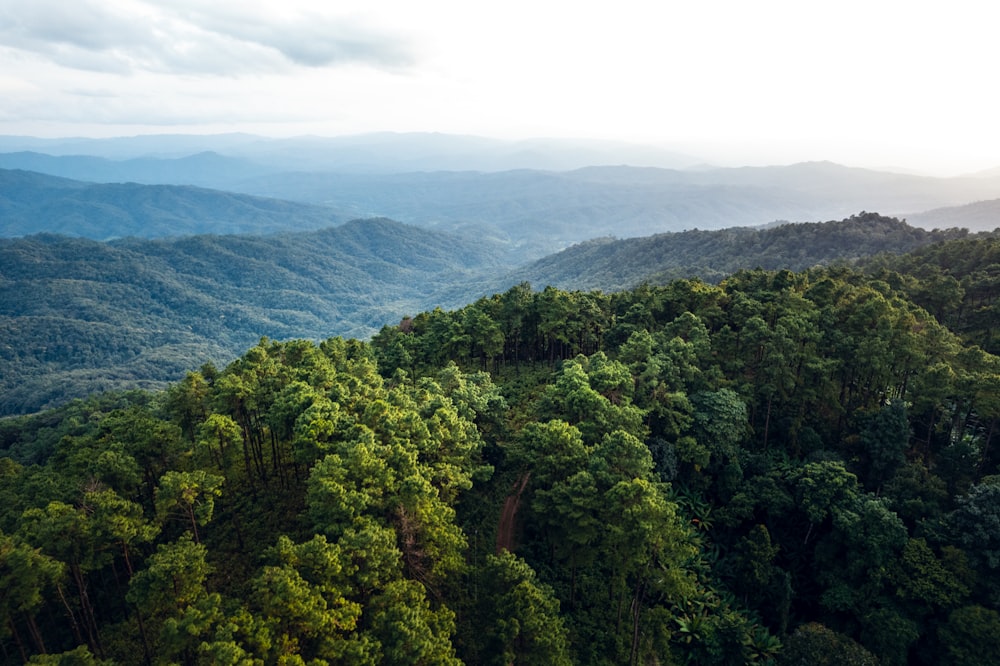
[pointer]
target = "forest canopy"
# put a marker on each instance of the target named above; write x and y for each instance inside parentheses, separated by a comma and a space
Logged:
(139, 313)
(778, 468)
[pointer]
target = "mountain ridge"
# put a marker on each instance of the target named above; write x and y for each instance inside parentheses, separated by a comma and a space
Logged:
(611, 264)
(80, 315)
(204, 169)
(33, 202)
(976, 216)
(535, 212)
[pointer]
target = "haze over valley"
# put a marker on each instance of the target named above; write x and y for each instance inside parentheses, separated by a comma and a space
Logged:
(415, 179)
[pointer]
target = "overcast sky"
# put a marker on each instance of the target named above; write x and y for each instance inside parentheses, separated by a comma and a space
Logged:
(865, 83)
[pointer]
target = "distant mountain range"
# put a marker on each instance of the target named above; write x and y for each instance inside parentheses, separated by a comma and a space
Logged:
(32, 203)
(548, 211)
(204, 169)
(383, 152)
(533, 213)
(976, 216)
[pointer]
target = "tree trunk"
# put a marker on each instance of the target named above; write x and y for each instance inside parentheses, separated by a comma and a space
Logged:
(636, 611)
(142, 633)
(36, 635)
(87, 612)
(71, 615)
(767, 420)
(986, 446)
(17, 639)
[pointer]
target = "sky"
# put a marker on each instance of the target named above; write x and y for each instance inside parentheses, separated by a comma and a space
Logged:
(872, 83)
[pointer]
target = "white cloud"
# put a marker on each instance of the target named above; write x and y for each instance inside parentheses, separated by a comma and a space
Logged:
(303, 35)
(222, 39)
(875, 82)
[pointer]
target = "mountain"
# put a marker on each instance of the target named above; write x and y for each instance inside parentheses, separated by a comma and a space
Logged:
(123, 148)
(608, 264)
(976, 216)
(33, 203)
(538, 196)
(79, 316)
(204, 169)
(384, 152)
(541, 212)
(533, 213)
(772, 470)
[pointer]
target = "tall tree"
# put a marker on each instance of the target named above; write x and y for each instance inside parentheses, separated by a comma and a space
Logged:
(189, 497)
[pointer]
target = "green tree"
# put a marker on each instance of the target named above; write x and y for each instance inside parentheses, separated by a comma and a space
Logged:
(367, 479)
(520, 616)
(206, 633)
(408, 629)
(116, 524)
(218, 437)
(853, 560)
(924, 580)
(79, 656)
(755, 574)
(153, 443)
(173, 579)
(308, 598)
(975, 527)
(187, 401)
(915, 493)
(884, 438)
(813, 644)
(65, 533)
(822, 487)
(971, 636)
(26, 575)
(188, 496)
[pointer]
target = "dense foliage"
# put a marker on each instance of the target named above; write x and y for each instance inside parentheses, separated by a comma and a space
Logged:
(957, 281)
(78, 316)
(614, 264)
(781, 468)
(89, 317)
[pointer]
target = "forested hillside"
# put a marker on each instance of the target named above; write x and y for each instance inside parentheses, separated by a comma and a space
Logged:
(78, 316)
(785, 468)
(204, 169)
(613, 264)
(957, 281)
(33, 203)
(137, 313)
